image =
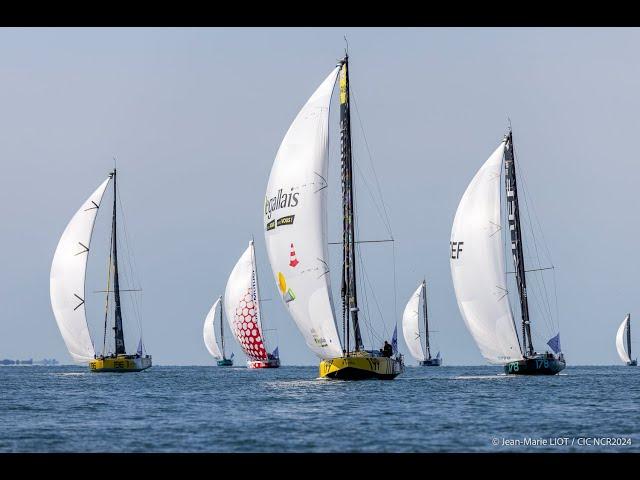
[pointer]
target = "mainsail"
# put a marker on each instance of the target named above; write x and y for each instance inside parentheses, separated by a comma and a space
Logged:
(67, 279)
(209, 333)
(243, 308)
(410, 325)
(621, 340)
(477, 265)
(295, 216)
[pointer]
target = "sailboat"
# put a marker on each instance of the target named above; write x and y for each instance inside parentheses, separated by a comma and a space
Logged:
(479, 276)
(242, 306)
(67, 291)
(209, 334)
(411, 328)
(295, 216)
(623, 342)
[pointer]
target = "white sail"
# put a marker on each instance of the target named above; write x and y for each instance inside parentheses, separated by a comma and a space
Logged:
(620, 341)
(477, 265)
(295, 216)
(67, 279)
(242, 307)
(411, 327)
(209, 331)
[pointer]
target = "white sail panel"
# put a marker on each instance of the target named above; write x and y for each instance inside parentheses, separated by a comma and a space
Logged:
(411, 325)
(295, 219)
(67, 278)
(209, 331)
(477, 265)
(242, 307)
(620, 341)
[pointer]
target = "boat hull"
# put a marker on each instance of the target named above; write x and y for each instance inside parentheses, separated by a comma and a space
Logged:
(361, 367)
(632, 363)
(225, 362)
(271, 363)
(432, 362)
(120, 364)
(538, 365)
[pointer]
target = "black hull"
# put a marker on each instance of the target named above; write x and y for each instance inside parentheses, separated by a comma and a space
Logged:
(432, 362)
(359, 374)
(535, 366)
(632, 363)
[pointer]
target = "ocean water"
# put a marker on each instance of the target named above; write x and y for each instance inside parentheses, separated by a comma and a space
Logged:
(211, 409)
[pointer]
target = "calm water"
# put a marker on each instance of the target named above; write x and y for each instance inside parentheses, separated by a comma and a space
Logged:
(210, 409)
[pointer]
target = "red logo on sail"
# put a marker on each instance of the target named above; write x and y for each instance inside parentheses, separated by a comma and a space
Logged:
(293, 261)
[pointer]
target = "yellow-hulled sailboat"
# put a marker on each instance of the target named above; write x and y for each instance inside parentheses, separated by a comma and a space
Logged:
(295, 216)
(67, 290)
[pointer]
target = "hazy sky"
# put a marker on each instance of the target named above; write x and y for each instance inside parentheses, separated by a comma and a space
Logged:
(195, 117)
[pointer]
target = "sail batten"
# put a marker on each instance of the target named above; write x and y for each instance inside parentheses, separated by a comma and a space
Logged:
(67, 278)
(477, 265)
(295, 222)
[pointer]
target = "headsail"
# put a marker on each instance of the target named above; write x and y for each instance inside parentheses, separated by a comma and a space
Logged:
(295, 218)
(67, 278)
(208, 331)
(242, 307)
(410, 325)
(620, 340)
(477, 265)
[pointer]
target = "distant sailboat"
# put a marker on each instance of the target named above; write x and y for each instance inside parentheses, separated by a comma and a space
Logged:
(209, 334)
(295, 215)
(67, 291)
(479, 276)
(242, 306)
(411, 328)
(623, 342)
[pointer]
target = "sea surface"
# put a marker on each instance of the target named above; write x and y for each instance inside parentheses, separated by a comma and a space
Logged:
(211, 409)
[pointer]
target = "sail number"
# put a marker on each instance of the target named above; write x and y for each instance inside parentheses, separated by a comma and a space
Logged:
(456, 248)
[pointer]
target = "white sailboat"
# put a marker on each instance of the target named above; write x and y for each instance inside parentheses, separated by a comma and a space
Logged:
(411, 328)
(623, 342)
(67, 291)
(479, 275)
(210, 337)
(295, 216)
(242, 307)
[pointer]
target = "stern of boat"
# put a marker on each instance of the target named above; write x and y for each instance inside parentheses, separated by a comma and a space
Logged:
(120, 364)
(362, 366)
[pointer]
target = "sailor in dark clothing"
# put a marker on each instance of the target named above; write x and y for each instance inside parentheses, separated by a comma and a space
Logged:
(387, 350)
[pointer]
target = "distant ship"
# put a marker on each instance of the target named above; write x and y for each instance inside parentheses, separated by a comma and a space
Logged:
(67, 290)
(209, 334)
(244, 313)
(623, 342)
(45, 361)
(295, 223)
(411, 329)
(479, 276)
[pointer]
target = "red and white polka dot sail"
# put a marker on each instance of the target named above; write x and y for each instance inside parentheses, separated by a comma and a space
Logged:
(242, 307)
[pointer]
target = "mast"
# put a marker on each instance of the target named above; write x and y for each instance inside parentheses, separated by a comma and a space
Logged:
(221, 328)
(119, 333)
(629, 335)
(426, 318)
(349, 290)
(513, 211)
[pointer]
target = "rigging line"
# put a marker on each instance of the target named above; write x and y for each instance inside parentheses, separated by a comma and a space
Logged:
(362, 175)
(375, 300)
(535, 243)
(371, 160)
(364, 241)
(131, 263)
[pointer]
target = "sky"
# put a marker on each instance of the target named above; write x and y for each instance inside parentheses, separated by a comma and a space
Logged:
(195, 116)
